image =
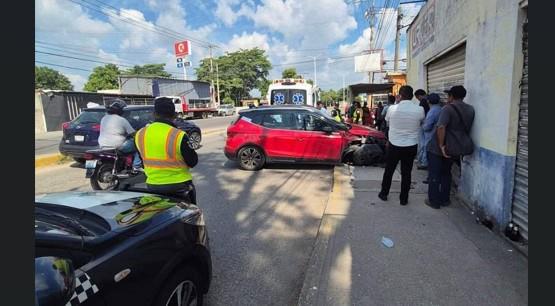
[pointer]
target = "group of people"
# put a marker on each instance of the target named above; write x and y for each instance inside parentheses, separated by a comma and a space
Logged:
(160, 147)
(436, 135)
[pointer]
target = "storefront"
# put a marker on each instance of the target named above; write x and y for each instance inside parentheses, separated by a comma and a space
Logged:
(488, 55)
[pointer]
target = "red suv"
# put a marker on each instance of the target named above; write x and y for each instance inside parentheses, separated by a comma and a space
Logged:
(290, 133)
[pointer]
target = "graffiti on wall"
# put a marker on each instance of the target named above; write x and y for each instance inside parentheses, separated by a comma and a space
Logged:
(422, 30)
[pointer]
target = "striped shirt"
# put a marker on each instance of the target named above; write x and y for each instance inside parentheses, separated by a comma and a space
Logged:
(404, 121)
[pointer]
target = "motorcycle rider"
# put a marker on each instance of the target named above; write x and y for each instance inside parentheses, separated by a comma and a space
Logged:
(116, 132)
(166, 154)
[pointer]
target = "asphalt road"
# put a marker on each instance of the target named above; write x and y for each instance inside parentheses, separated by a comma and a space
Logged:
(47, 143)
(262, 225)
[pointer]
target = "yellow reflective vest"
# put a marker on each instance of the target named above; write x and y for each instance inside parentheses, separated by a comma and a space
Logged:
(160, 147)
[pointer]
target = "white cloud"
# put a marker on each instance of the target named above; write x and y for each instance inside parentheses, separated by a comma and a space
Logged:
(248, 41)
(304, 23)
(63, 16)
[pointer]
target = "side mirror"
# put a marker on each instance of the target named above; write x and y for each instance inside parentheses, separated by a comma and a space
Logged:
(54, 281)
(327, 129)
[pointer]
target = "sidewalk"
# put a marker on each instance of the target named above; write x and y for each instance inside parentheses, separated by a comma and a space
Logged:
(439, 257)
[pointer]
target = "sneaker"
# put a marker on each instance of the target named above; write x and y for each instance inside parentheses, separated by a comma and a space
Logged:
(422, 167)
(383, 197)
(425, 182)
(404, 202)
(427, 202)
(137, 170)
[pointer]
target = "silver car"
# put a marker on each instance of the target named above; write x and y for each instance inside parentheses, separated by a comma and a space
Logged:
(226, 110)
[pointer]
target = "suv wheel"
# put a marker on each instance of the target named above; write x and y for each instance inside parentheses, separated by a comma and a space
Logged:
(182, 288)
(251, 158)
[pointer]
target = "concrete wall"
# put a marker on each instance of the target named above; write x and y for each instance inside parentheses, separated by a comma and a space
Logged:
(40, 121)
(492, 31)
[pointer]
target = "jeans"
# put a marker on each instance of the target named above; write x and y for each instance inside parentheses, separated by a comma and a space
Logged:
(422, 158)
(185, 191)
(439, 179)
(128, 147)
(394, 155)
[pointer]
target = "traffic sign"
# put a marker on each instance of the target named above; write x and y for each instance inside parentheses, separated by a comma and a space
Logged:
(179, 65)
(187, 64)
(182, 48)
(179, 59)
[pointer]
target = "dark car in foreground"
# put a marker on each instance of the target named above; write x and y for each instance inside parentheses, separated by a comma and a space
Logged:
(81, 134)
(119, 248)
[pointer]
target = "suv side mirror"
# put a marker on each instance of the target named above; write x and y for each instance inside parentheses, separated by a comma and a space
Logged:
(54, 281)
(327, 129)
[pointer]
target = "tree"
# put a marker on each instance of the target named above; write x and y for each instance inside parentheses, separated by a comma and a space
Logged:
(47, 78)
(103, 77)
(149, 70)
(330, 96)
(290, 73)
(239, 72)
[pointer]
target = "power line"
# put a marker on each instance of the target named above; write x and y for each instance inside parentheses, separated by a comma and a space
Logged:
(68, 67)
(108, 11)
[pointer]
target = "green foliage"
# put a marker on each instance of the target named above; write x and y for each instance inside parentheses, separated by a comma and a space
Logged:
(149, 70)
(47, 78)
(103, 77)
(290, 73)
(228, 100)
(330, 96)
(239, 72)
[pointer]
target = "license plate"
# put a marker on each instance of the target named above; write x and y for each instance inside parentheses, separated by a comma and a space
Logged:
(90, 164)
(79, 138)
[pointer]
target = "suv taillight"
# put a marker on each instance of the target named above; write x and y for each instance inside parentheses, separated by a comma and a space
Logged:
(96, 127)
(88, 156)
(65, 125)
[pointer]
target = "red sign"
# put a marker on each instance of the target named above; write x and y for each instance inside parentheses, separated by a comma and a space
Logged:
(182, 48)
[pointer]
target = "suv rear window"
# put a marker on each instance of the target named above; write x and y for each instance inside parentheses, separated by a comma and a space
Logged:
(89, 117)
(139, 118)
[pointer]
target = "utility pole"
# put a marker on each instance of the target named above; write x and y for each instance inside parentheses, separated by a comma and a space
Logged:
(397, 40)
(218, 83)
(314, 62)
(211, 67)
(370, 14)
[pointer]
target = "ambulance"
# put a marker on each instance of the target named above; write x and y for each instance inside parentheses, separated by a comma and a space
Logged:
(292, 91)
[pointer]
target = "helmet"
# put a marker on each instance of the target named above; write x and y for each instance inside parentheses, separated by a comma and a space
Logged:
(117, 107)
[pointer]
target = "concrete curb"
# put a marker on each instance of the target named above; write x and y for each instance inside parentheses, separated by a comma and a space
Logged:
(337, 207)
(49, 160)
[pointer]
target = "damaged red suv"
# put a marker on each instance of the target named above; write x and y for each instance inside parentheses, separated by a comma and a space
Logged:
(290, 133)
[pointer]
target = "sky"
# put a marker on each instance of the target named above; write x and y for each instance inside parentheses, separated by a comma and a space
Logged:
(74, 36)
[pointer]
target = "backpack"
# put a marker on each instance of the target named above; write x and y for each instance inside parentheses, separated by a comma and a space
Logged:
(465, 145)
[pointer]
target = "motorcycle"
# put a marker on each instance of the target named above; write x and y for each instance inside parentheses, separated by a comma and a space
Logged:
(109, 169)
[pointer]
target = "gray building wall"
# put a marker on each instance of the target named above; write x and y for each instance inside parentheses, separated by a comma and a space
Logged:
(63, 106)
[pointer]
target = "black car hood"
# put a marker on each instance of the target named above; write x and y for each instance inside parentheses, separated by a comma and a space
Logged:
(121, 210)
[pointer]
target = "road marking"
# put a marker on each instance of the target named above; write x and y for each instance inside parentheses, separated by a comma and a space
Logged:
(48, 160)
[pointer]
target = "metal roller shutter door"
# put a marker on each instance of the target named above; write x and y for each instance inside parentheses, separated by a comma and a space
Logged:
(446, 71)
(520, 194)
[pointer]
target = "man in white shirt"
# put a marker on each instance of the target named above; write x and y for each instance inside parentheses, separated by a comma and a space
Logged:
(404, 120)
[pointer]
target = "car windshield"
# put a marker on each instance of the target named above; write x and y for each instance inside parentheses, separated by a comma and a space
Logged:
(89, 117)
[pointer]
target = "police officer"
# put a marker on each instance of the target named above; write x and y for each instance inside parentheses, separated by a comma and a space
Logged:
(336, 113)
(166, 154)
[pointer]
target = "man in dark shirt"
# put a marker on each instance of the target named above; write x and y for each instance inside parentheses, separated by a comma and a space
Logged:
(420, 95)
(454, 124)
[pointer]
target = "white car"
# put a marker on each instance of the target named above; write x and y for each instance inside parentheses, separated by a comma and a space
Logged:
(226, 110)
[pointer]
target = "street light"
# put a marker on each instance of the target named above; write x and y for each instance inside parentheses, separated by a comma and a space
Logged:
(314, 62)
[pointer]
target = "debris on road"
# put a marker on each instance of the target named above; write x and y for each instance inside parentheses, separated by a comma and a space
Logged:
(387, 242)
